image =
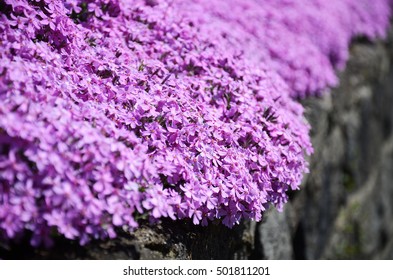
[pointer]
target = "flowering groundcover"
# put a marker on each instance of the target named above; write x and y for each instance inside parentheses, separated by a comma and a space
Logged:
(116, 111)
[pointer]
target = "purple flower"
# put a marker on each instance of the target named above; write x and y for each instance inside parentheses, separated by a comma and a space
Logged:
(112, 110)
(156, 201)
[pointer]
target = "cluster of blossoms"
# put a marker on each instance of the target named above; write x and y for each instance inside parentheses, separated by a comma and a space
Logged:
(112, 110)
(304, 41)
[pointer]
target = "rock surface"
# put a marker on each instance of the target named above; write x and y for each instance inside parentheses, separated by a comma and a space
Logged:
(343, 211)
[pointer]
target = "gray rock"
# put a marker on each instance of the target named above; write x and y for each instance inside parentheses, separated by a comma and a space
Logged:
(275, 236)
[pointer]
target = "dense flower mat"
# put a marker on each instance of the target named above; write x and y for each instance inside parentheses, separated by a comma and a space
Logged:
(115, 111)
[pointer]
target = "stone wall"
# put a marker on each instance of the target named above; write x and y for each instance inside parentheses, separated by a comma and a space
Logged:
(345, 208)
(343, 211)
(347, 203)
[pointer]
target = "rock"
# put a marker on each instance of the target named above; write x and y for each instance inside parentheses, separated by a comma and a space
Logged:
(275, 236)
(348, 194)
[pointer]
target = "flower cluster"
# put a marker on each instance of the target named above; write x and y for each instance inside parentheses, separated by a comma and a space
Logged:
(304, 41)
(115, 109)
